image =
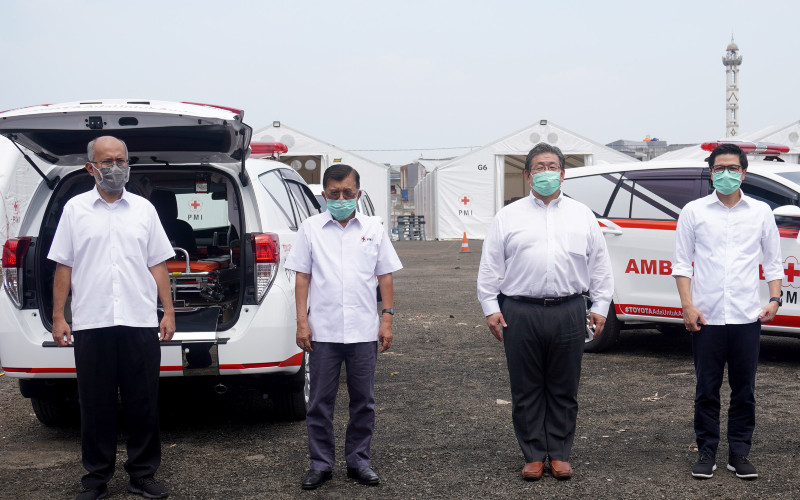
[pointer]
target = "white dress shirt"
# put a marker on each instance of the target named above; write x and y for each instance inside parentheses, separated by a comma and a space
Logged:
(538, 250)
(110, 248)
(344, 263)
(726, 246)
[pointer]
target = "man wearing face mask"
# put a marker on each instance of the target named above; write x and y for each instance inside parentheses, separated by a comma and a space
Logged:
(540, 255)
(720, 241)
(338, 255)
(110, 250)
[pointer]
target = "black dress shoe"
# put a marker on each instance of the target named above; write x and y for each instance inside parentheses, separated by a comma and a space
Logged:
(363, 475)
(315, 478)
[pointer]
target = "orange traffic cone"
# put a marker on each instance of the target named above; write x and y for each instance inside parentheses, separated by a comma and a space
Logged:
(464, 244)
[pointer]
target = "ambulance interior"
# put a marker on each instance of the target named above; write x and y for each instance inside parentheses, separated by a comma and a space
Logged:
(198, 209)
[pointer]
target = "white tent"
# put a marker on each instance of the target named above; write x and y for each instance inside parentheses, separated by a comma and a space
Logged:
(311, 157)
(462, 195)
(18, 181)
(787, 135)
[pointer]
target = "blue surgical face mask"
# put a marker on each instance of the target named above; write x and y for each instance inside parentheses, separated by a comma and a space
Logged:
(546, 183)
(341, 209)
(727, 182)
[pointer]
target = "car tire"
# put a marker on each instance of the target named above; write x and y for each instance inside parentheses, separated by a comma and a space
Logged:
(609, 335)
(291, 403)
(56, 412)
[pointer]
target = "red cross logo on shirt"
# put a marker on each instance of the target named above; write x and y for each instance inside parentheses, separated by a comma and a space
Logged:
(464, 200)
(363, 239)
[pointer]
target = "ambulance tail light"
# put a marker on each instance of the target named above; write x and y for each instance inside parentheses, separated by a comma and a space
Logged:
(266, 250)
(267, 149)
(13, 259)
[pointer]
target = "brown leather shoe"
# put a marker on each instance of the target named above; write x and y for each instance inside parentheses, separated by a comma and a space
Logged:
(532, 471)
(561, 470)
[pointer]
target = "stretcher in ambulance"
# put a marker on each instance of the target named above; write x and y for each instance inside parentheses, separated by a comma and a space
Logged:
(637, 206)
(230, 217)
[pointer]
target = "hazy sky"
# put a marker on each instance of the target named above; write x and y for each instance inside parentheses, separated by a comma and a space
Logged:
(416, 74)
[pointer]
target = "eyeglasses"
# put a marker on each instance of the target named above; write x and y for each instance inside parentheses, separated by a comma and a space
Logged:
(335, 195)
(120, 162)
(736, 169)
(541, 167)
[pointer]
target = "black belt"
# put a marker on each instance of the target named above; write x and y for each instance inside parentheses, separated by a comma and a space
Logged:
(548, 301)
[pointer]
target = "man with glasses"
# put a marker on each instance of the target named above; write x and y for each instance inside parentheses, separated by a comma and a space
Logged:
(110, 250)
(720, 241)
(541, 254)
(338, 255)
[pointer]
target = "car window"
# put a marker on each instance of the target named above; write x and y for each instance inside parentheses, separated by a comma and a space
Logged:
(770, 192)
(662, 199)
(593, 191)
(299, 199)
(621, 206)
(277, 190)
(366, 204)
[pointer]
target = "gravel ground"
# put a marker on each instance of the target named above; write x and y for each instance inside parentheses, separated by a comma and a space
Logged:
(443, 420)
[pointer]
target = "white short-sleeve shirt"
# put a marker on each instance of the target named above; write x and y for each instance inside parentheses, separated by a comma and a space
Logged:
(344, 263)
(110, 248)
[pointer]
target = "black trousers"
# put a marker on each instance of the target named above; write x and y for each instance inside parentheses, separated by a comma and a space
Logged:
(108, 359)
(713, 346)
(544, 348)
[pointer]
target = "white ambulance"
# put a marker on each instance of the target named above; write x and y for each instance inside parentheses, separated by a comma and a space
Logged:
(232, 220)
(637, 206)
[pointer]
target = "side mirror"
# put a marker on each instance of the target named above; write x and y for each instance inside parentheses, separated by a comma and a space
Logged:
(787, 211)
(787, 216)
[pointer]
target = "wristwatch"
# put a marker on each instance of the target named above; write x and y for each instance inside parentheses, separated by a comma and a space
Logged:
(390, 311)
(776, 299)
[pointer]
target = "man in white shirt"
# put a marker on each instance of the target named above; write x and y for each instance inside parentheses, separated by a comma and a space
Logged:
(540, 255)
(719, 241)
(110, 250)
(337, 256)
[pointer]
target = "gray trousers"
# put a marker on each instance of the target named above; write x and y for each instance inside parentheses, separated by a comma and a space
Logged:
(324, 365)
(544, 347)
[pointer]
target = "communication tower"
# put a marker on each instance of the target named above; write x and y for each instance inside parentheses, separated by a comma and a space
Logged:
(732, 60)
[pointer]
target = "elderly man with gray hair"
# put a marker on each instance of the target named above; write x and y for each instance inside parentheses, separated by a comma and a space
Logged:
(110, 250)
(541, 255)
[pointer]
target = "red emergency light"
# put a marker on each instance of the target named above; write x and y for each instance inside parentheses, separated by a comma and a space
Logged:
(239, 112)
(267, 149)
(753, 148)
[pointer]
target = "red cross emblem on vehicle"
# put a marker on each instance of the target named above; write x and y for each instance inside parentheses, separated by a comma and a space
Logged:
(791, 270)
(791, 273)
(195, 206)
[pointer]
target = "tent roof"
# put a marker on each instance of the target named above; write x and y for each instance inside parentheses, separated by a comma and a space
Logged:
(521, 141)
(306, 145)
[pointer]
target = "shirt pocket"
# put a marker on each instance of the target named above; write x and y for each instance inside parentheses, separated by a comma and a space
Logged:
(576, 244)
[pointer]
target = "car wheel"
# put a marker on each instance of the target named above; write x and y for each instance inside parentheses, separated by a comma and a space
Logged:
(608, 337)
(291, 403)
(56, 412)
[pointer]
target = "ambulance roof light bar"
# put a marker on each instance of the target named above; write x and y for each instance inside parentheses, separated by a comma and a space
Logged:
(267, 149)
(751, 148)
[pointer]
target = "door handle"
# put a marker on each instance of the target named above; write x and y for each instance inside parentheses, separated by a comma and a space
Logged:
(609, 230)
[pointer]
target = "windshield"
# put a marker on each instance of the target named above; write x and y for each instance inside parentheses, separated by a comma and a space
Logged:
(791, 176)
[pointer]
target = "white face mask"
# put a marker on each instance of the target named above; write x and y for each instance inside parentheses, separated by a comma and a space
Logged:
(112, 179)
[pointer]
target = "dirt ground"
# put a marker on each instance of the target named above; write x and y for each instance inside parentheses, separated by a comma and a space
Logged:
(443, 420)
